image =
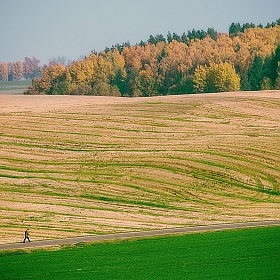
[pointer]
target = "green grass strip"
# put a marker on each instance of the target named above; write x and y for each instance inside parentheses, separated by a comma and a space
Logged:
(236, 254)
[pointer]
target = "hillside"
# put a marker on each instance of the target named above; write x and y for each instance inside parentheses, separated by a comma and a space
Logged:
(80, 165)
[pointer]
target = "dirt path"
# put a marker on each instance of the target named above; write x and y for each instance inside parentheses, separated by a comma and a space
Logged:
(94, 238)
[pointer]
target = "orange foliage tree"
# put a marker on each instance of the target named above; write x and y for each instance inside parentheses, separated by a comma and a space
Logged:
(3, 71)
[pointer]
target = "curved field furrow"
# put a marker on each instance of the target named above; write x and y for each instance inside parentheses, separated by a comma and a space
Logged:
(74, 165)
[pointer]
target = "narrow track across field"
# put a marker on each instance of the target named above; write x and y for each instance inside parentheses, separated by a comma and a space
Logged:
(171, 231)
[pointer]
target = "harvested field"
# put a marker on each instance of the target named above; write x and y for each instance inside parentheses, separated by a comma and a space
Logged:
(76, 165)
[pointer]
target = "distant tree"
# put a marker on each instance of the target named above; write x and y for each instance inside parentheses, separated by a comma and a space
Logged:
(196, 61)
(216, 78)
(197, 34)
(173, 65)
(255, 74)
(273, 24)
(169, 37)
(59, 60)
(212, 33)
(142, 43)
(225, 77)
(16, 72)
(52, 81)
(156, 39)
(152, 40)
(176, 37)
(106, 50)
(275, 65)
(3, 71)
(277, 83)
(244, 82)
(104, 89)
(146, 83)
(276, 59)
(160, 38)
(268, 70)
(184, 38)
(266, 84)
(119, 76)
(126, 44)
(81, 90)
(200, 78)
(31, 68)
(234, 29)
(79, 73)
(185, 86)
(247, 26)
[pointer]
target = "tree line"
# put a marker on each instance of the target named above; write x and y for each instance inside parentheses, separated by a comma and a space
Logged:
(246, 58)
(14, 71)
(28, 69)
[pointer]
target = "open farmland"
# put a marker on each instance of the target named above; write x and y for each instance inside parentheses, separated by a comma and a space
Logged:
(13, 87)
(75, 165)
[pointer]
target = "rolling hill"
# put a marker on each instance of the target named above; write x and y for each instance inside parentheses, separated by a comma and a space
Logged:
(76, 165)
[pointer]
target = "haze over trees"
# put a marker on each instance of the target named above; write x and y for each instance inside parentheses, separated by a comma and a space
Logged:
(247, 58)
(14, 71)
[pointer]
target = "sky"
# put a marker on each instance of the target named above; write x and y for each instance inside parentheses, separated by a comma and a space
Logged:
(49, 29)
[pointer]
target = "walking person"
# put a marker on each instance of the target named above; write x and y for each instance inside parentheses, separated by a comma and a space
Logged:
(26, 236)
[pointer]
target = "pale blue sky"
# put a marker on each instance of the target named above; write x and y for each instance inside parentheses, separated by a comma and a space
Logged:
(72, 28)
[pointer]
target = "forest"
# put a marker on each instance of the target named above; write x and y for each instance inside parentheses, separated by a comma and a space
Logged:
(245, 58)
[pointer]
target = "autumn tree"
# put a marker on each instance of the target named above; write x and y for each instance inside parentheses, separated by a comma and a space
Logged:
(173, 65)
(16, 71)
(79, 73)
(197, 61)
(253, 42)
(3, 71)
(146, 83)
(31, 68)
(216, 78)
(52, 81)
(119, 76)
(105, 89)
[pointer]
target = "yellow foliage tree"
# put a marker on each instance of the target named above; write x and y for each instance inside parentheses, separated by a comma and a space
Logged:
(200, 78)
(50, 81)
(145, 83)
(163, 67)
(216, 78)
(80, 73)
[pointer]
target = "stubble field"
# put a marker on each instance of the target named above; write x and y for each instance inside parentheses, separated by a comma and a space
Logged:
(76, 165)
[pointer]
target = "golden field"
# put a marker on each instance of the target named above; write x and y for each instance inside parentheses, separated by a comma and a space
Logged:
(77, 165)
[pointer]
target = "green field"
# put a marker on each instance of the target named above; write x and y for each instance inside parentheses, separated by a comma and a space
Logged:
(13, 87)
(236, 254)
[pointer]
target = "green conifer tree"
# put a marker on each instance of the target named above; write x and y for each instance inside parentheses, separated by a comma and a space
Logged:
(255, 74)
